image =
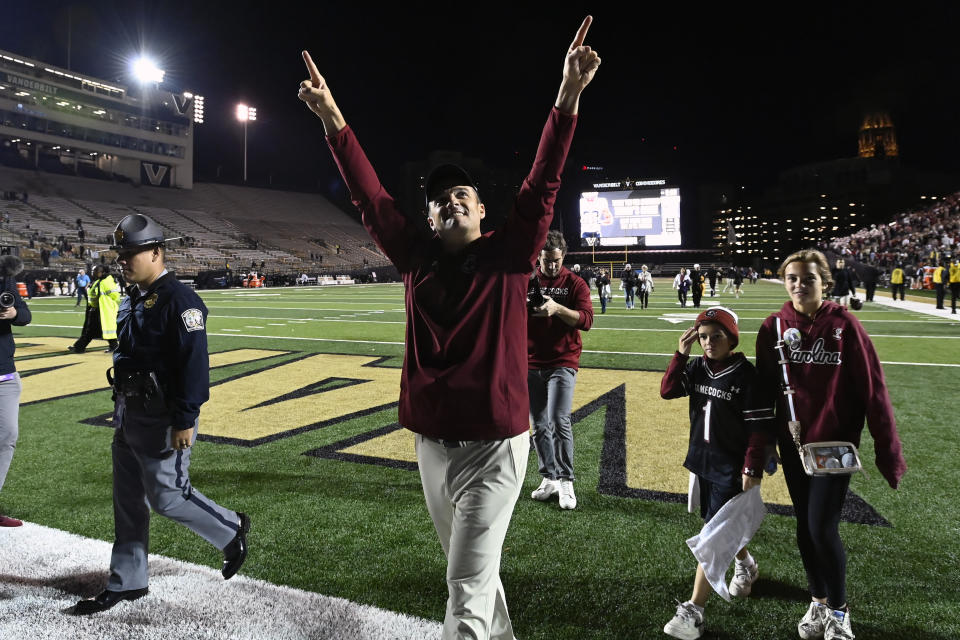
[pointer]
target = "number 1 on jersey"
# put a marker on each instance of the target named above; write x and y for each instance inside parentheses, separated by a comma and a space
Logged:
(706, 420)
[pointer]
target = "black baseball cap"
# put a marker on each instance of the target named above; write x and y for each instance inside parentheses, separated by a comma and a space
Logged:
(445, 176)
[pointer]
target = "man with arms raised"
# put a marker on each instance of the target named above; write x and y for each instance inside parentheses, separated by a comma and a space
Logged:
(463, 388)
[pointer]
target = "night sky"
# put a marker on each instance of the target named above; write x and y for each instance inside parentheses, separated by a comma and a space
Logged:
(742, 94)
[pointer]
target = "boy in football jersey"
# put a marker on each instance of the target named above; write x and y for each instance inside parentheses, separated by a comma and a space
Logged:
(729, 434)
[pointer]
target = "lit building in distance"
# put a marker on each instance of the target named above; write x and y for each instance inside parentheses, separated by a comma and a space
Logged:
(877, 137)
(61, 121)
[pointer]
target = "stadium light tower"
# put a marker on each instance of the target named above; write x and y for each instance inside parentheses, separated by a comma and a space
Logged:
(245, 114)
(197, 106)
(146, 71)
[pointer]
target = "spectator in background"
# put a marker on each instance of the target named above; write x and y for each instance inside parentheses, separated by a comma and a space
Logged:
(681, 282)
(729, 274)
(45, 257)
(644, 286)
(603, 289)
(553, 350)
(83, 281)
(696, 288)
(712, 276)
(940, 278)
(896, 282)
(870, 276)
(628, 284)
(843, 283)
(738, 281)
(954, 283)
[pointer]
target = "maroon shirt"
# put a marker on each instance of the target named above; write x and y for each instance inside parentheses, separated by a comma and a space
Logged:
(465, 366)
(838, 382)
(551, 342)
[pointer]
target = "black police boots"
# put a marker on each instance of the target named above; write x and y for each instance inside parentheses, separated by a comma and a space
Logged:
(236, 552)
(105, 600)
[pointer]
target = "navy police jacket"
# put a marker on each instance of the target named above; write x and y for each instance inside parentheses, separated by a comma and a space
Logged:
(163, 330)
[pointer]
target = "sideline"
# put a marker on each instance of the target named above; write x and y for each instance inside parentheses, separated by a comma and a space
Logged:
(46, 570)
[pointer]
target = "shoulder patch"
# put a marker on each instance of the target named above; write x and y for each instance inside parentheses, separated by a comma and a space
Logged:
(192, 319)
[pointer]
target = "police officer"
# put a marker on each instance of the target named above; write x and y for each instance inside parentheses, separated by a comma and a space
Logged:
(160, 379)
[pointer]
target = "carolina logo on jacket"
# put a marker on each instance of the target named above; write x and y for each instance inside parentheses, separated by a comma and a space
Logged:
(815, 355)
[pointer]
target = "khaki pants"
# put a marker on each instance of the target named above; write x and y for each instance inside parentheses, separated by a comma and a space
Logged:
(470, 493)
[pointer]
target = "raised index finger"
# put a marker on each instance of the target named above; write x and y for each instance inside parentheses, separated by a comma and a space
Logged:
(312, 68)
(581, 33)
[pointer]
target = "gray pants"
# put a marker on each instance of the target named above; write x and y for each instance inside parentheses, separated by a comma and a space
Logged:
(9, 431)
(149, 474)
(551, 401)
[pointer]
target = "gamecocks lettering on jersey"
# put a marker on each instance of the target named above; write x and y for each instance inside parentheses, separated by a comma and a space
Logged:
(714, 392)
(816, 355)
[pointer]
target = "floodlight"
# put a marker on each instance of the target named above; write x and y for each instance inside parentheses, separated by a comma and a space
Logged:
(145, 70)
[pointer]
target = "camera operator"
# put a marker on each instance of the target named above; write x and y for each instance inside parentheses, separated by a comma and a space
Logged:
(13, 311)
(553, 349)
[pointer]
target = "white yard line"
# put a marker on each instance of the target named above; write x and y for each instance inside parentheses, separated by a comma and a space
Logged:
(45, 569)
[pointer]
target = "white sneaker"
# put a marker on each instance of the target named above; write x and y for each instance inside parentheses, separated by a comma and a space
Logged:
(687, 624)
(568, 500)
(547, 489)
(743, 578)
(814, 621)
(838, 626)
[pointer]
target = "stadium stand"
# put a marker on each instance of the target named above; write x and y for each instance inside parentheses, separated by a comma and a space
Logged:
(913, 238)
(223, 226)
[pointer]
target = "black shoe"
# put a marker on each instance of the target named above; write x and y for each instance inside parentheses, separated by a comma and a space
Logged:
(105, 600)
(74, 349)
(236, 552)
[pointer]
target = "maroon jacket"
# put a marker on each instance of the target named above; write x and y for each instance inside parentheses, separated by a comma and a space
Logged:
(838, 381)
(551, 342)
(465, 366)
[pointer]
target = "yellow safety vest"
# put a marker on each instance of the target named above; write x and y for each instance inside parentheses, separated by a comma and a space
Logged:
(897, 276)
(105, 294)
(938, 274)
(955, 272)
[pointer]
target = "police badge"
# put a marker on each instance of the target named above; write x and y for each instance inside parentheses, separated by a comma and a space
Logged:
(192, 319)
(149, 302)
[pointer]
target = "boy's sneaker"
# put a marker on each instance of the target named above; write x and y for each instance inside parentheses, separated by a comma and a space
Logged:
(686, 624)
(743, 578)
(568, 500)
(547, 489)
(812, 624)
(838, 625)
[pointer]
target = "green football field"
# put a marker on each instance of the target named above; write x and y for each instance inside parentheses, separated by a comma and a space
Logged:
(301, 434)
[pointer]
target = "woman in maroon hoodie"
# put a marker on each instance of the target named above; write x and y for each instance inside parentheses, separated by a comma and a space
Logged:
(834, 381)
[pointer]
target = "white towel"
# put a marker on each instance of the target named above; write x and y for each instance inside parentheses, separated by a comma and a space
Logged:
(693, 494)
(727, 532)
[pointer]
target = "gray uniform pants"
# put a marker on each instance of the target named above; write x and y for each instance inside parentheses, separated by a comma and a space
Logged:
(551, 401)
(9, 412)
(149, 474)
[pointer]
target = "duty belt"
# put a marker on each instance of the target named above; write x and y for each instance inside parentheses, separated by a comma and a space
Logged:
(134, 383)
